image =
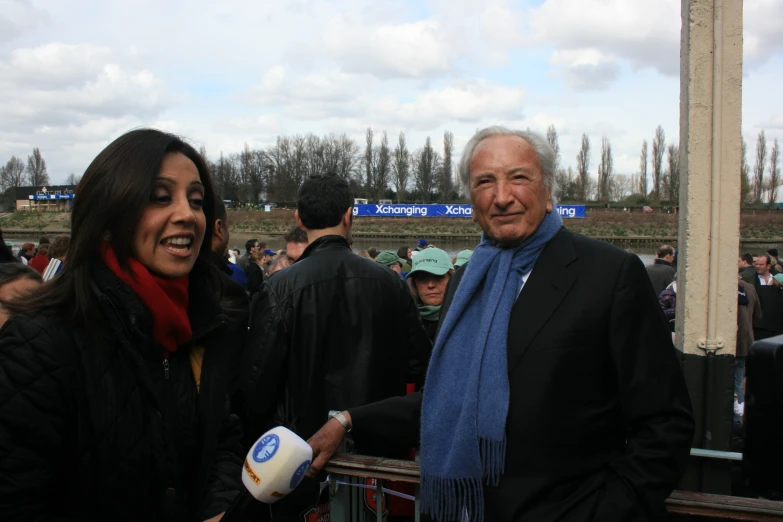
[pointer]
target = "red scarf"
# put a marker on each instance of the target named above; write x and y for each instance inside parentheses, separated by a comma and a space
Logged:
(166, 298)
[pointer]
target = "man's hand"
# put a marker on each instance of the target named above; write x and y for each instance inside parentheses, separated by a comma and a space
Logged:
(216, 518)
(325, 443)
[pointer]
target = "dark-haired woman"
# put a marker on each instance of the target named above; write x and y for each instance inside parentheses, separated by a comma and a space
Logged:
(113, 388)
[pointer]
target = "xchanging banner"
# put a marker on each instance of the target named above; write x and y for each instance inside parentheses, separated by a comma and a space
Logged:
(463, 211)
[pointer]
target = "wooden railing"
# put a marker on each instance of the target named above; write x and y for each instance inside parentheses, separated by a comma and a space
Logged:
(682, 502)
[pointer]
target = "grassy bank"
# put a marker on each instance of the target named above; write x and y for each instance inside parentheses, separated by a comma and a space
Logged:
(597, 224)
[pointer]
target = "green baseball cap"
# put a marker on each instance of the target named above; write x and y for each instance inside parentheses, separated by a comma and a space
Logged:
(387, 258)
(463, 257)
(431, 260)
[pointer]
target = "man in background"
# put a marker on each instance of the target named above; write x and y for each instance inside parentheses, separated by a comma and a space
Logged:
(328, 332)
(661, 272)
(747, 271)
(295, 243)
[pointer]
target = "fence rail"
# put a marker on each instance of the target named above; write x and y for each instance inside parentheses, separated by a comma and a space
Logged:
(681, 502)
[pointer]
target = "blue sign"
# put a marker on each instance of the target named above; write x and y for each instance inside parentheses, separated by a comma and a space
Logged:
(413, 210)
(571, 211)
(299, 474)
(460, 211)
(51, 196)
(266, 448)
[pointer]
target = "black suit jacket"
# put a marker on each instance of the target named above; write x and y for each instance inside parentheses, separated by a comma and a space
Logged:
(599, 424)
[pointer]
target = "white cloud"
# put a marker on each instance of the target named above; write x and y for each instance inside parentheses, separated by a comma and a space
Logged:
(586, 69)
(408, 50)
(763, 34)
(18, 17)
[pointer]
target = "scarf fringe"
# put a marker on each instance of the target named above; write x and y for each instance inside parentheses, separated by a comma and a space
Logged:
(493, 459)
(446, 499)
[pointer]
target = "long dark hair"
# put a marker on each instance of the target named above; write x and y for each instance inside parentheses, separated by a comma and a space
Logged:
(109, 202)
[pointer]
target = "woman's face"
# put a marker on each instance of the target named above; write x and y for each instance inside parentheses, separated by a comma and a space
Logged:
(171, 231)
(431, 288)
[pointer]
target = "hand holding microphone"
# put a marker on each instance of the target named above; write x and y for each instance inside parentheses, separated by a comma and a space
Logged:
(274, 466)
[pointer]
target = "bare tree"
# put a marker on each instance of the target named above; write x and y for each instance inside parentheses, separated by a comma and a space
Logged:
(745, 173)
(620, 187)
(673, 174)
(382, 168)
(551, 137)
(583, 168)
(401, 166)
(445, 183)
(658, 148)
(758, 168)
(605, 170)
(13, 174)
(72, 179)
(36, 169)
(368, 159)
(427, 164)
(774, 172)
(643, 169)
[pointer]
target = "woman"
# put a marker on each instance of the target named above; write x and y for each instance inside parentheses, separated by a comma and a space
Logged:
(427, 279)
(41, 259)
(16, 281)
(113, 391)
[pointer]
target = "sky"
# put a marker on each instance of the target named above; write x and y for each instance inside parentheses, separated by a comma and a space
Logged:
(74, 75)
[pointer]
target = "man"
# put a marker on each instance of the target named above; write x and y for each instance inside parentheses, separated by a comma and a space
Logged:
(390, 260)
(250, 248)
(295, 243)
(661, 272)
(26, 253)
(255, 271)
(748, 311)
(234, 303)
(329, 332)
(571, 403)
(747, 271)
(774, 261)
(771, 298)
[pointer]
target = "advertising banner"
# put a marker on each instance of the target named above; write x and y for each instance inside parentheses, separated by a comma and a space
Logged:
(458, 211)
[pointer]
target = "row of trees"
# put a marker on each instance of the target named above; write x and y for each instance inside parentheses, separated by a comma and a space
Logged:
(427, 173)
(381, 172)
(761, 188)
(607, 185)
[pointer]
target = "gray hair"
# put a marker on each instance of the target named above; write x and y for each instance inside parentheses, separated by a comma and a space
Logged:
(544, 152)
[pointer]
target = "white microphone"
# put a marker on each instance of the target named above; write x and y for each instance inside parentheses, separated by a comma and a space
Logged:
(274, 466)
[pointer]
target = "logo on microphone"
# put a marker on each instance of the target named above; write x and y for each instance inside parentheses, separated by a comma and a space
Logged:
(266, 448)
(299, 474)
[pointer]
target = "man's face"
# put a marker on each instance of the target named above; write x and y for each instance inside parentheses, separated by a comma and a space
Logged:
(740, 263)
(507, 189)
(294, 250)
(256, 253)
(762, 268)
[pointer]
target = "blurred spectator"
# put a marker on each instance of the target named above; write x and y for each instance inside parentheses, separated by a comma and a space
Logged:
(295, 243)
(373, 251)
(16, 280)
(364, 254)
(462, 258)
(390, 259)
(661, 272)
(748, 310)
(422, 244)
(279, 263)
(41, 259)
(58, 251)
(746, 269)
(27, 253)
(250, 246)
(404, 253)
(6, 256)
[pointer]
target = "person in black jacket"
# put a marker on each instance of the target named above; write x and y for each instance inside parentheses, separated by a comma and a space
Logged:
(553, 392)
(329, 332)
(114, 386)
(662, 271)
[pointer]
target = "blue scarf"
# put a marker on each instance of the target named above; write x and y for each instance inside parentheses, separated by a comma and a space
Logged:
(465, 404)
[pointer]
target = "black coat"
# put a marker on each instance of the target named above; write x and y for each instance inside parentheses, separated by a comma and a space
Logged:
(255, 278)
(599, 422)
(92, 426)
(330, 332)
(661, 275)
